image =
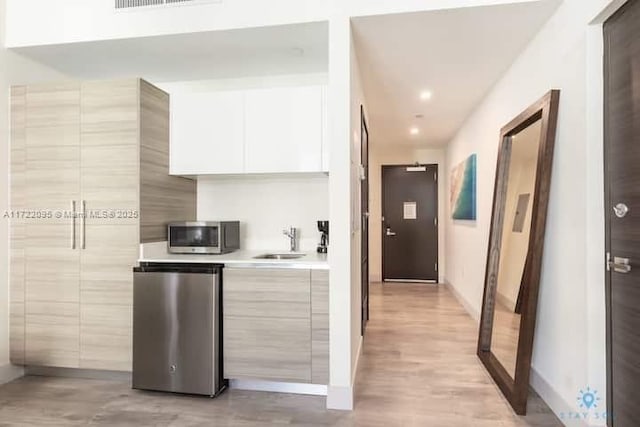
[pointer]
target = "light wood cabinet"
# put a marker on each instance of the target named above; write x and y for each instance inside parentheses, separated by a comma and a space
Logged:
(17, 200)
(105, 146)
(275, 130)
(276, 325)
(320, 326)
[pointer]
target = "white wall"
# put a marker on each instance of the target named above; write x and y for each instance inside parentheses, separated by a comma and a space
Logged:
(340, 390)
(266, 205)
(569, 345)
(382, 155)
(515, 244)
(357, 100)
(44, 22)
(13, 70)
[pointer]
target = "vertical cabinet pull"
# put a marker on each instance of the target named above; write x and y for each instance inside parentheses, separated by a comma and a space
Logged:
(73, 224)
(83, 226)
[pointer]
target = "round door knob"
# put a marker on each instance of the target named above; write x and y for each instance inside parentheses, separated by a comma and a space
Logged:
(621, 210)
(172, 368)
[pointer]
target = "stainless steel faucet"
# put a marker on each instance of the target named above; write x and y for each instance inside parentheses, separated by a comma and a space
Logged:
(292, 234)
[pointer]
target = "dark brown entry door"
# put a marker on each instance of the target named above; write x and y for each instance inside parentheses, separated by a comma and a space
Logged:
(410, 223)
(622, 204)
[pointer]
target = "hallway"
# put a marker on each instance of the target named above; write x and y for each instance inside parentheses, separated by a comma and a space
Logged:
(419, 365)
(418, 369)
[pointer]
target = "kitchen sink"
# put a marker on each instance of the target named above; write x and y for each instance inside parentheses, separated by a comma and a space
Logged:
(279, 256)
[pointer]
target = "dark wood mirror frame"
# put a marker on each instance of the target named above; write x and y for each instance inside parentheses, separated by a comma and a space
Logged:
(516, 390)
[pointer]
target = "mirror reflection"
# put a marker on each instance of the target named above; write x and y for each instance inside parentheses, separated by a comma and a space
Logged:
(516, 227)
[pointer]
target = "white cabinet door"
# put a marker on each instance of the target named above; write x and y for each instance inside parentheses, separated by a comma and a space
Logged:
(326, 148)
(283, 130)
(207, 133)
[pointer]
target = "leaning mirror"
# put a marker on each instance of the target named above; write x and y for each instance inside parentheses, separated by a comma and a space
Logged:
(516, 240)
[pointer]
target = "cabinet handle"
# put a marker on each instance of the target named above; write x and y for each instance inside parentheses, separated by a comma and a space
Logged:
(83, 226)
(73, 224)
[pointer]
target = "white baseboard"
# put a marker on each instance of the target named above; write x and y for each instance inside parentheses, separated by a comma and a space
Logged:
(10, 372)
(464, 302)
(564, 410)
(340, 398)
(279, 387)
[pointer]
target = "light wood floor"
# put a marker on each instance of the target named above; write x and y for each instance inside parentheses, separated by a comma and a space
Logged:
(418, 368)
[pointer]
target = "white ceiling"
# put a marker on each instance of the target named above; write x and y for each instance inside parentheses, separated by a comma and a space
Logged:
(456, 54)
(286, 49)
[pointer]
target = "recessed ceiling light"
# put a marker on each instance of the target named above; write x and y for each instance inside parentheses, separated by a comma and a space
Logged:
(426, 95)
(414, 131)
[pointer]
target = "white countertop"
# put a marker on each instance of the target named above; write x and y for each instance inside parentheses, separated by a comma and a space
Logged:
(157, 252)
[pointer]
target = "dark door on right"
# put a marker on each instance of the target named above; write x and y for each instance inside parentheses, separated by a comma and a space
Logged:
(622, 207)
(410, 223)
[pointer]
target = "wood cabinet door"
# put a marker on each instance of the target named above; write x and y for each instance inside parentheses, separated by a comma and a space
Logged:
(51, 297)
(52, 273)
(267, 324)
(283, 130)
(268, 348)
(52, 141)
(110, 153)
(326, 141)
(17, 226)
(106, 296)
(207, 133)
(109, 161)
(320, 326)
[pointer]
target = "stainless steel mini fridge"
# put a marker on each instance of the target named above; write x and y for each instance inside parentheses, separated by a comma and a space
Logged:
(177, 332)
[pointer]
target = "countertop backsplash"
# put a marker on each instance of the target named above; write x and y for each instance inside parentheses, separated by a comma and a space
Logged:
(265, 205)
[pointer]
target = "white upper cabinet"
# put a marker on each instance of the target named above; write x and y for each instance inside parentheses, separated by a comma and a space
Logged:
(207, 133)
(325, 132)
(283, 130)
(276, 130)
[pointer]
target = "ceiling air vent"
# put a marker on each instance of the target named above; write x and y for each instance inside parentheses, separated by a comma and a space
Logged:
(126, 4)
(129, 4)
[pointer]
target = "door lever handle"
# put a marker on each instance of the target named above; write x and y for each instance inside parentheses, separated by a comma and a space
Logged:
(390, 233)
(619, 265)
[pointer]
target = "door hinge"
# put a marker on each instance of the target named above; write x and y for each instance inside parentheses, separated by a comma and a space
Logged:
(435, 221)
(607, 261)
(436, 266)
(435, 176)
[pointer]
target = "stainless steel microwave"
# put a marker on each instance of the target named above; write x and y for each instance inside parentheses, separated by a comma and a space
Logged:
(203, 237)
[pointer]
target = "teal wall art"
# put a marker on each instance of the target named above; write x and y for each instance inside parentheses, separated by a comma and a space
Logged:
(463, 189)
